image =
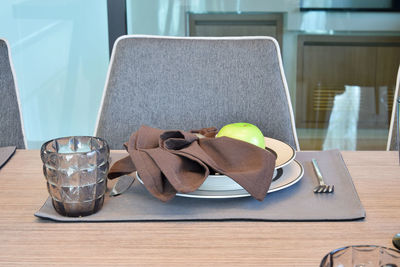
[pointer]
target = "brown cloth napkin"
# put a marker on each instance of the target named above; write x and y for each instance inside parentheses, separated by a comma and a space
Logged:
(206, 132)
(176, 161)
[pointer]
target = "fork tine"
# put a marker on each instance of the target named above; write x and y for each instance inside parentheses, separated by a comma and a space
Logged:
(331, 188)
(324, 189)
(328, 189)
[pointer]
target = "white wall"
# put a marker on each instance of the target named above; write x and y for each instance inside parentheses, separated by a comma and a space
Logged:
(60, 53)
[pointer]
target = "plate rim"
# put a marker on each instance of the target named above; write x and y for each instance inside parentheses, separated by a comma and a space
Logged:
(239, 193)
(294, 181)
(284, 144)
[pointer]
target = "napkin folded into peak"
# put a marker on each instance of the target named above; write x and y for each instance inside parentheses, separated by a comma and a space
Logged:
(177, 161)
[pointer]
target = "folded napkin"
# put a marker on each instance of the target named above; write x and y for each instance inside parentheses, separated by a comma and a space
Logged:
(206, 132)
(176, 161)
(5, 154)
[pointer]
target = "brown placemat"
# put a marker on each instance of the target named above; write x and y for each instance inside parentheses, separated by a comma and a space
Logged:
(5, 154)
(295, 203)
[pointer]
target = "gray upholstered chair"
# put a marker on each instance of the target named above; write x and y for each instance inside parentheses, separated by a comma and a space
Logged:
(11, 125)
(190, 83)
(392, 143)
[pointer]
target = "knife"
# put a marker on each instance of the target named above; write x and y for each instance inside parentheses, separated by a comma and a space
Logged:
(123, 184)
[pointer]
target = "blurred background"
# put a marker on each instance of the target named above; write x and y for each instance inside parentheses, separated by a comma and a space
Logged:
(340, 58)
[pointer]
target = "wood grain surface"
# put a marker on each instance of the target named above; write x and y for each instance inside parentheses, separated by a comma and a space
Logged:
(28, 241)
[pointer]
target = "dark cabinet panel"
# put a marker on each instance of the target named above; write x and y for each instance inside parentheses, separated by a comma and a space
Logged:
(226, 24)
(389, 61)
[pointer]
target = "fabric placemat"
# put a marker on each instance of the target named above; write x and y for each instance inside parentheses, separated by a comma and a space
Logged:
(5, 154)
(295, 203)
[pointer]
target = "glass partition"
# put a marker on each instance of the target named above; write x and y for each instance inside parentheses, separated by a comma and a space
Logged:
(340, 65)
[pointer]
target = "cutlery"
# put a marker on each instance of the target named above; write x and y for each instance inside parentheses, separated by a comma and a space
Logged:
(322, 187)
(123, 184)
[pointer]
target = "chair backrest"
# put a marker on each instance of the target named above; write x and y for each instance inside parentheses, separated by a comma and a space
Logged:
(392, 143)
(11, 124)
(191, 82)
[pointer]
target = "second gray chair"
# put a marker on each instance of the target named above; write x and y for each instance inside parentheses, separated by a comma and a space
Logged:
(392, 143)
(11, 125)
(190, 83)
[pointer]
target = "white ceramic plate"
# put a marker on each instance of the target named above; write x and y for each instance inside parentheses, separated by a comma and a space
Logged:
(284, 152)
(292, 173)
(284, 156)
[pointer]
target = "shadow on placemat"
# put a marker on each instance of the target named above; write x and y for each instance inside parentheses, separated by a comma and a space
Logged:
(295, 203)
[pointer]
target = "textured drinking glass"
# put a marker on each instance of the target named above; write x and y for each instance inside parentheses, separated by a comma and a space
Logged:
(76, 172)
(362, 256)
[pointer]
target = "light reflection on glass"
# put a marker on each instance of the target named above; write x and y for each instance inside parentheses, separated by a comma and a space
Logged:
(314, 22)
(343, 121)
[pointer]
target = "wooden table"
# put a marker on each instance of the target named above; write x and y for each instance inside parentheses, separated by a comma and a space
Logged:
(29, 241)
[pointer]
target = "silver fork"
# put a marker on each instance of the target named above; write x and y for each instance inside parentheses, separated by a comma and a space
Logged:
(322, 187)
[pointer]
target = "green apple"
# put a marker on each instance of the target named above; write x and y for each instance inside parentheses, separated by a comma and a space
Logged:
(243, 131)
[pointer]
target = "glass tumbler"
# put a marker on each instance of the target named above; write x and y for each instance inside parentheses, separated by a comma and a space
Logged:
(362, 256)
(76, 170)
